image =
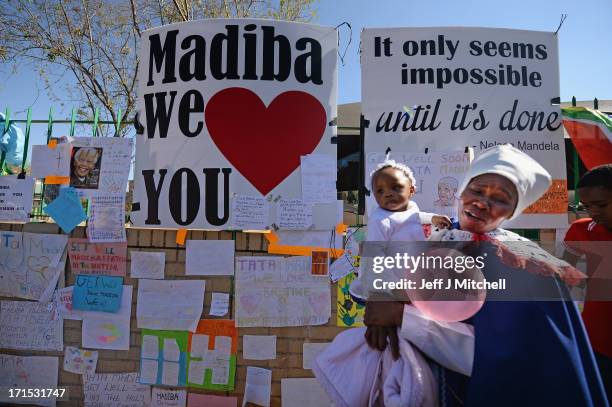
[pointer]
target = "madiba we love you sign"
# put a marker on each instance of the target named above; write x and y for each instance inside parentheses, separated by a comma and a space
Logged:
(228, 107)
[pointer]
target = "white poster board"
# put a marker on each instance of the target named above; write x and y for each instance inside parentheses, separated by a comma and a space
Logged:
(35, 372)
(115, 390)
(276, 291)
(30, 325)
(456, 87)
(229, 107)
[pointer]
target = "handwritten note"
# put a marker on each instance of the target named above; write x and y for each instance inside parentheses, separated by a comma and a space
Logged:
(48, 161)
(148, 265)
(258, 386)
(170, 305)
(66, 210)
(310, 350)
(210, 258)
(97, 293)
(97, 258)
(103, 330)
(219, 304)
(259, 347)
(80, 361)
(293, 214)
(107, 220)
(115, 390)
(168, 397)
(250, 212)
(16, 198)
(303, 393)
(30, 264)
(275, 291)
(30, 325)
(319, 175)
(32, 372)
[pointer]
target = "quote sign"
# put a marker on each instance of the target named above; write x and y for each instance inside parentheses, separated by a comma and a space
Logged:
(229, 107)
(446, 89)
(97, 293)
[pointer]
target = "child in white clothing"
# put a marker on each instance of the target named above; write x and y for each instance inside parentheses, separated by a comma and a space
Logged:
(397, 218)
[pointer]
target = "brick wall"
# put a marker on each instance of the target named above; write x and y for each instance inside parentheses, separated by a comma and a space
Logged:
(288, 362)
(289, 340)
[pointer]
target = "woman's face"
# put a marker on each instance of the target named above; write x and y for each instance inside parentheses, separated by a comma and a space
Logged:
(487, 201)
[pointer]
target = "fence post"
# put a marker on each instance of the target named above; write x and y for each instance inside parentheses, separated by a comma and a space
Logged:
(95, 122)
(576, 166)
(72, 120)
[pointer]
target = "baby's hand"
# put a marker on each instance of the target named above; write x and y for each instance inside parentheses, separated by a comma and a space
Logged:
(441, 222)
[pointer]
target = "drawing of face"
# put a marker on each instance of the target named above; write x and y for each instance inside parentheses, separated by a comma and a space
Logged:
(447, 188)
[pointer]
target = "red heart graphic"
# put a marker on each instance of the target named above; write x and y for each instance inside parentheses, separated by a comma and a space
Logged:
(265, 144)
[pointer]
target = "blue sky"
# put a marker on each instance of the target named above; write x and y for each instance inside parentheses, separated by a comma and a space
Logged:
(584, 56)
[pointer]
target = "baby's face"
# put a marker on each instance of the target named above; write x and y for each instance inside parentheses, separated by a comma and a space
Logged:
(392, 189)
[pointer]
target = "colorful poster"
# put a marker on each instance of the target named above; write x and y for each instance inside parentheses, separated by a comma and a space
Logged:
(97, 258)
(80, 361)
(448, 88)
(212, 355)
(350, 313)
(16, 198)
(170, 304)
(103, 330)
(219, 155)
(97, 293)
(277, 291)
(30, 264)
(30, 325)
(163, 357)
(32, 372)
(115, 390)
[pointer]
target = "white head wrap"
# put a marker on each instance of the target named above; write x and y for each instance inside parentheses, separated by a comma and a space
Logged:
(398, 166)
(528, 176)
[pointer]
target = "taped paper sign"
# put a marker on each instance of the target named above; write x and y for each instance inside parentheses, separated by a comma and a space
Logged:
(30, 264)
(293, 214)
(16, 198)
(168, 397)
(80, 361)
(438, 176)
(102, 330)
(310, 350)
(97, 293)
(148, 265)
(445, 102)
(107, 219)
(66, 209)
(219, 305)
(115, 390)
(97, 258)
(32, 372)
(301, 243)
(276, 291)
(258, 386)
(164, 357)
(319, 175)
(259, 347)
(350, 313)
(100, 166)
(170, 305)
(210, 258)
(30, 325)
(212, 355)
(221, 156)
(250, 212)
(51, 162)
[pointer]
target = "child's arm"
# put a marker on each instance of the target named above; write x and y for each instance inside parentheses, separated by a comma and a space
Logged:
(449, 343)
(439, 221)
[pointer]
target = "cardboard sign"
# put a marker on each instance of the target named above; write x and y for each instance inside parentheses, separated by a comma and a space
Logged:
(233, 122)
(448, 88)
(97, 293)
(97, 258)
